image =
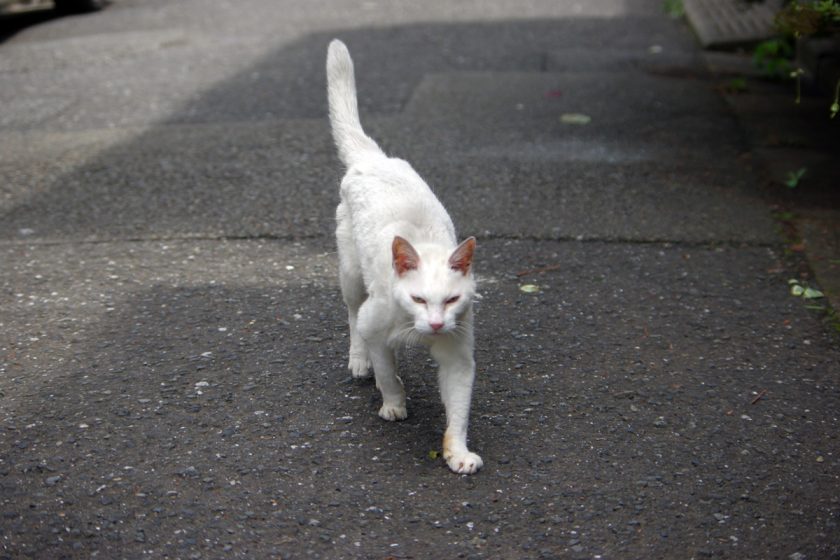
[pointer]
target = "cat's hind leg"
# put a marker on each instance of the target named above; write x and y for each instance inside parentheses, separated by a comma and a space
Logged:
(353, 292)
(359, 359)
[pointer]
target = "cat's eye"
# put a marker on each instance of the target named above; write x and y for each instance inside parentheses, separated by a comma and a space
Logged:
(419, 300)
(452, 300)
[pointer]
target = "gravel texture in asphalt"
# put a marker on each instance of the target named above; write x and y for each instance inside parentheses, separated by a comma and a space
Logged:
(173, 343)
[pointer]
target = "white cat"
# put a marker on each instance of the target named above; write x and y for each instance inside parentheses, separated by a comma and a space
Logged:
(403, 276)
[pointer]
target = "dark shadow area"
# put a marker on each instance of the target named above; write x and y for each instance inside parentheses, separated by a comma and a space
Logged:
(210, 406)
(221, 419)
(13, 23)
(390, 62)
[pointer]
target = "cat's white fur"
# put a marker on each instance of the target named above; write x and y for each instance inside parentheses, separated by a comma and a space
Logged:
(403, 275)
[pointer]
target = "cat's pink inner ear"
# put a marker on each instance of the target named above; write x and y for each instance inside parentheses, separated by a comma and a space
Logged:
(404, 256)
(461, 259)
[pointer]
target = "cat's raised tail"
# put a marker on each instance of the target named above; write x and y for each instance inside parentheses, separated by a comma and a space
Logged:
(348, 134)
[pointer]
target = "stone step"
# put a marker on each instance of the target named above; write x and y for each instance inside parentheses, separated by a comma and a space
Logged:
(728, 23)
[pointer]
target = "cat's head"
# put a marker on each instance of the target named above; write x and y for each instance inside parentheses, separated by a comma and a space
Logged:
(434, 284)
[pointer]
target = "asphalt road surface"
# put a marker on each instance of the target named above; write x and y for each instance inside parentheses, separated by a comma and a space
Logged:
(173, 344)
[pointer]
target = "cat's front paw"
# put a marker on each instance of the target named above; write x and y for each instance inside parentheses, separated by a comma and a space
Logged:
(466, 462)
(359, 367)
(393, 413)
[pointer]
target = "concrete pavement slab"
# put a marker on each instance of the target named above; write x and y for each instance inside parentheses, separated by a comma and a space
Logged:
(172, 338)
(793, 147)
(652, 57)
(646, 113)
(638, 202)
(281, 180)
(132, 72)
(191, 398)
(479, 138)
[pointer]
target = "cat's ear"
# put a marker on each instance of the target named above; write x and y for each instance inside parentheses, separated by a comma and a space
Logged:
(405, 258)
(461, 259)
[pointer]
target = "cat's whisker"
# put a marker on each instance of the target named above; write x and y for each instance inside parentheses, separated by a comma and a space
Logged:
(460, 330)
(406, 334)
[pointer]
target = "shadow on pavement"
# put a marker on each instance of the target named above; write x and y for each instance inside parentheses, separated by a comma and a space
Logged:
(259, 161)
(221, 418)
(13, 23)
(613, 407)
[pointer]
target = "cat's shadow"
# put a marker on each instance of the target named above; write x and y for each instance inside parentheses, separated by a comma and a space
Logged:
(420, 434)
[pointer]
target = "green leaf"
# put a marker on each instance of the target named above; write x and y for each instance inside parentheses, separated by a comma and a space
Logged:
(529, 288)
(673, 8)
(737, 85)
(772, 57)
(575, 118)
(797, 290)
(811, 293)
(795, 176)
(433, 454)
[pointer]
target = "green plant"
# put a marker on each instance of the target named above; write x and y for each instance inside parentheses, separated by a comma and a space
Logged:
(805, 18)
(802, 19)
(736, 85)
(673, 8)
(806, 292)
(810, 296)
(774, 58)
(785, 216)
(794, 177)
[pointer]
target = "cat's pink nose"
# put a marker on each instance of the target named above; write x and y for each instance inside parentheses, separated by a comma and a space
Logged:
(436, 326)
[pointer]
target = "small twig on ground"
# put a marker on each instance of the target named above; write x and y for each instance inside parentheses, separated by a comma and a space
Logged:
(759, 396)
(548, 268)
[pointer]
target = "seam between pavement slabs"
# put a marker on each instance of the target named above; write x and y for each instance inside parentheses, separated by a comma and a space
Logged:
(486, 237)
